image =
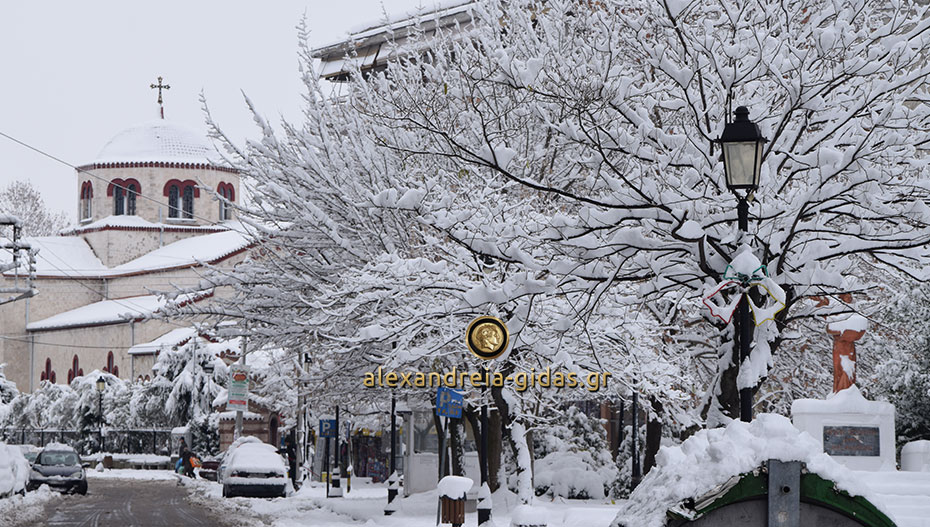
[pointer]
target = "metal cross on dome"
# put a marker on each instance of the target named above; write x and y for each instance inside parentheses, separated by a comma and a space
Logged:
(744, 273)
(159, 86)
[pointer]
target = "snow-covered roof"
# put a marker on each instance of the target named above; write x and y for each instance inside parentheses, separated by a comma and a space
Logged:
(107, 312)
(166, 341)
(158, 140)
(127, 222)
(366, 40)
(229, 415)
(72, 257)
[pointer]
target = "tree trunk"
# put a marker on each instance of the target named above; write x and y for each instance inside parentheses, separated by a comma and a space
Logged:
(457, 447)
(653, 435)
(724, 397)
(516, 435)
(495, 449)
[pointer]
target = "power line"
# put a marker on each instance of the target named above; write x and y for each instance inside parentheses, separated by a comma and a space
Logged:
(89, 173)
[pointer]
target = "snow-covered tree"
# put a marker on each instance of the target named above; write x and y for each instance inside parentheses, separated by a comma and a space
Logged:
(22, 200)
(554, 164)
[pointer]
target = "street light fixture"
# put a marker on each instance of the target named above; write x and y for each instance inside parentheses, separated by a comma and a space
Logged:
(742, 145)
(101, 385)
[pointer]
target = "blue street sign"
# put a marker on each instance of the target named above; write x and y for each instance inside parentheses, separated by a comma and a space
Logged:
(327, 428)
(449, 402)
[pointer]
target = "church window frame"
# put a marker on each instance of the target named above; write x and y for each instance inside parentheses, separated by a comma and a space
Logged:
(227, 195)
(173, 196)
(87, 198)
(119, 201)
(131, 193)
(187, 202)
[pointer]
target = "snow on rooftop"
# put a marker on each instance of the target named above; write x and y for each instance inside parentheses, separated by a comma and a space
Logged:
(106, 312)
(136, 222)
(158, 140)
(72, 257)
(166, 341)
(394, 22)
(189, 251)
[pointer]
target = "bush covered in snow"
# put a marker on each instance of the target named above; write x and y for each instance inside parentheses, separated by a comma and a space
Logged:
(573, 459)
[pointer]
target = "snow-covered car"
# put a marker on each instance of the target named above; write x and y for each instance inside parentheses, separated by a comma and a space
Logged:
(59, 467)
(251, 468)
(14, 471)
(30, 452)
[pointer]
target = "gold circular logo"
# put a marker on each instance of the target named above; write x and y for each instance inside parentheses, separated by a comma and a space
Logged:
(487, 337)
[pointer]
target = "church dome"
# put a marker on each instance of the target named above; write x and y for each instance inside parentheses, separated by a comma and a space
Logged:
(158, 141)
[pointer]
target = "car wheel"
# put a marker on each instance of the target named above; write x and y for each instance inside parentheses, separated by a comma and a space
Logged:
(225, 492)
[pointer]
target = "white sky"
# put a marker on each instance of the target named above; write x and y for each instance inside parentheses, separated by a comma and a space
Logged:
(73, 74)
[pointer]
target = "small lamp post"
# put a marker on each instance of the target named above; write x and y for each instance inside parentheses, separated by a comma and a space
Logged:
(101, 385)
(742, 145)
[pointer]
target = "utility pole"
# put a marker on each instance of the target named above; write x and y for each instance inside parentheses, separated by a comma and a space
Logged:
(336, 489)
(391, 508)
(243, 351)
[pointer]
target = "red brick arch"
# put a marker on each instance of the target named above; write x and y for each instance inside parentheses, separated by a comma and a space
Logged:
(230, 191)
(123, 183)
(181, 186)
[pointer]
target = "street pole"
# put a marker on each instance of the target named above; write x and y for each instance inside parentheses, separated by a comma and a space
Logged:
(100, 418)
(245, 346)
(329, 476)
(392, 465)
(484, 495)
(745, 323)
(336, 488)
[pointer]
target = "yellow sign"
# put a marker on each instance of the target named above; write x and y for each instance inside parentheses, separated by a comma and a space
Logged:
(487, 337)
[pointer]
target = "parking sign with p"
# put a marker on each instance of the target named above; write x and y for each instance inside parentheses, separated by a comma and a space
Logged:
(449, 402)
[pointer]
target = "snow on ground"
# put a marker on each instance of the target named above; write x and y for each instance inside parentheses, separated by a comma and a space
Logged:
(25, 510)
(118, 473)
(364, 505)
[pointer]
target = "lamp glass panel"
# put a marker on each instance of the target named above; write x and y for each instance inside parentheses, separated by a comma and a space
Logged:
(740, 161)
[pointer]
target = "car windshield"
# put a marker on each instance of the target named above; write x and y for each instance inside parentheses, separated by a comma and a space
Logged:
(58, 458)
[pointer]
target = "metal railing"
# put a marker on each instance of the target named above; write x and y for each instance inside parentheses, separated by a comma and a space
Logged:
(135, 441)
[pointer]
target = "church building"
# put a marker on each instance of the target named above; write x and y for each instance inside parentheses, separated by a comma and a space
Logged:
(149, 217)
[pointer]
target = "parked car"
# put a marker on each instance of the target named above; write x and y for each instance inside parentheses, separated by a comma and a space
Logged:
(251, 468)
(30, 452)
(209, 467)
(14, 471)
(59, 467)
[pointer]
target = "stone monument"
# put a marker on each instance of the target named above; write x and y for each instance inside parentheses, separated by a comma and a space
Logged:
(853, 430)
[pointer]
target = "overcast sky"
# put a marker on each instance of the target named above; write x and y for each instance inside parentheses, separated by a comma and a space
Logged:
(73, 74)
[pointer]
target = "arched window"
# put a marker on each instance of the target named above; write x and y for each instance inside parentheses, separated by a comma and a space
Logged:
(131, 191)
(111, 367)
(87, 195)
(226, 191)
(119, 201)
(76, 370)
(173, 195)
(49, 373)
(188, 202)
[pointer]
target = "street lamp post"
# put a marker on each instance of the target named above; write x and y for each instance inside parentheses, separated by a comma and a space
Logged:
(101, 385)
(742, 145)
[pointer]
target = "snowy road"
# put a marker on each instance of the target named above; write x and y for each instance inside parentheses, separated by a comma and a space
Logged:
(126, 503)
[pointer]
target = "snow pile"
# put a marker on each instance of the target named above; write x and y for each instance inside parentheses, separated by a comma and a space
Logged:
(454, 487)
(848, 401)
(711, 457)
(14, 470)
